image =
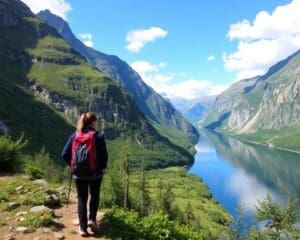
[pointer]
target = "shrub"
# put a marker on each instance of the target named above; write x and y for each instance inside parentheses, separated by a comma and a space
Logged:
(41, 165)
(157, 226)
(33, 172)
(10, 153)
(122, 224)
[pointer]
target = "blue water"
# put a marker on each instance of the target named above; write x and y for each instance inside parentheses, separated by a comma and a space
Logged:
(240, 174)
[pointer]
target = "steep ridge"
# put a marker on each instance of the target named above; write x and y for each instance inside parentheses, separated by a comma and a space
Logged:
(161, 112)
(264, 109)
(45, 84)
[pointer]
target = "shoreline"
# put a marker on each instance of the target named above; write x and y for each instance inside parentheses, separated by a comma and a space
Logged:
(263, 144)
(258, 143)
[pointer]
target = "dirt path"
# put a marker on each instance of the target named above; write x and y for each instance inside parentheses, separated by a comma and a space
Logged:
(66, 216)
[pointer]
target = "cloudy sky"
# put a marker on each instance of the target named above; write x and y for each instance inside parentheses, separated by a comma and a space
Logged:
(186, 49)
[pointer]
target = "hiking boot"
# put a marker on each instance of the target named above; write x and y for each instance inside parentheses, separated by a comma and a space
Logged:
(93, 225)
(84, 233)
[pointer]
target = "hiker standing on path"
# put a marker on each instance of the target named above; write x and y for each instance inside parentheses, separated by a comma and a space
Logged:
(85, 152)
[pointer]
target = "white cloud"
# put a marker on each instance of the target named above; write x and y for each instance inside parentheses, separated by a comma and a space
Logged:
(269, 39)
(58, 7)
(138, 38)
(87, 39)
(163, 82)
(244, 185)
(211, 58)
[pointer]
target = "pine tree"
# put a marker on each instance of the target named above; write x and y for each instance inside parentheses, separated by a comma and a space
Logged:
(280, 221)
(168, 198)
(143, 194)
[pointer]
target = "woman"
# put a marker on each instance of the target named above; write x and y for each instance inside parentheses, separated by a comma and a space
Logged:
(91, 180)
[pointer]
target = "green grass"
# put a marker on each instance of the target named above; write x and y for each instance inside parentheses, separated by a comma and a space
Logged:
(37, 220)
(287, 137)
(32, 194)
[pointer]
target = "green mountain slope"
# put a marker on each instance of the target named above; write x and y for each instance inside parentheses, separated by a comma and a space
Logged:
(45, 84)
(264, 109)
(163, 116)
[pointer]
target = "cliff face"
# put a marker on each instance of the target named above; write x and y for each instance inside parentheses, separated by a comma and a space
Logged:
(155, 107)
(45, 84)
(265, 109)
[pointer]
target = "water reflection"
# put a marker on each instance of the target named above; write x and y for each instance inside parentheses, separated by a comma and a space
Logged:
(239, 173)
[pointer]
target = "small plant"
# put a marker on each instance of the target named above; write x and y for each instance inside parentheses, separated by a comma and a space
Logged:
(33, 172)
(72, 231)
(37, 220)
(2, 222)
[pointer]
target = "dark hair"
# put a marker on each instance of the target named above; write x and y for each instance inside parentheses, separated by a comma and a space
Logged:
(85, 120)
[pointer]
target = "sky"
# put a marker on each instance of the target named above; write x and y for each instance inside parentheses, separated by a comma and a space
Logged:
(186, 49)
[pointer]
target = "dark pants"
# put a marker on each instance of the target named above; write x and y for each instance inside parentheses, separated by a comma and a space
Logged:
(83, 187)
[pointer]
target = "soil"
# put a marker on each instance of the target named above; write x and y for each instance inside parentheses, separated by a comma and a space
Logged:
(66, 217)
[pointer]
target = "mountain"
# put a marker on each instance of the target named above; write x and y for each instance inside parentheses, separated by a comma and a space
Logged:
(162, 114)
(265, 109)
(45, 84)
(194, 110)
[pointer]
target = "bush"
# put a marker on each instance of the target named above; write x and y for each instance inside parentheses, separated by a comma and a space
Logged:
(10, 153)
(157, 226)
(33, 172)
(41, 165)
(122, 224)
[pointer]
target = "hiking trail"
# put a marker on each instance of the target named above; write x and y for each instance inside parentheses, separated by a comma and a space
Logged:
(65, 216)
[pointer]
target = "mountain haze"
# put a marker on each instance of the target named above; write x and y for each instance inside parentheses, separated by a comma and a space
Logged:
(264, 109)
(194, 110)
(162, 114)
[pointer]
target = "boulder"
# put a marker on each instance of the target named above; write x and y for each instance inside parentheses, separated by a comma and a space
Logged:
(41, 181)
(13, 205)
(41, 209)
(22, 230)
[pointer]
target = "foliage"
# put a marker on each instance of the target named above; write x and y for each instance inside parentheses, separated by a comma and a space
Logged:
(42, 165)
(10, 153)
(280, 221)
(37, 220)
(33, 172)
(184, 199)
(31, 194)
(2, 222)
(122, 224)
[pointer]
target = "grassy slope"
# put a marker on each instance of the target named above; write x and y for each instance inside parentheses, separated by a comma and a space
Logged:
(63, 71)
(25, 114)
(187, 188)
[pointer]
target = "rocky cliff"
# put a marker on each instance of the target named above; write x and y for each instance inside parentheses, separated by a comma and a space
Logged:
(264, 109)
